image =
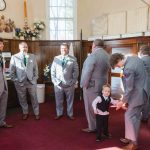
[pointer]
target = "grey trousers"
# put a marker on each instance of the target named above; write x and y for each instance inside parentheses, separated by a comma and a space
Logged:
(22, 95)
(89, 95)
(132, 122)
(59, 97)
(3, 107)
(146, 109)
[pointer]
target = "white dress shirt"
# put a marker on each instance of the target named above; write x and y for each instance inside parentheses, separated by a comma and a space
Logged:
(99, 100)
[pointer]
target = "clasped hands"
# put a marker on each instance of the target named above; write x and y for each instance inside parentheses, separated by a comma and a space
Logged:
(64, 85)
(122, 105)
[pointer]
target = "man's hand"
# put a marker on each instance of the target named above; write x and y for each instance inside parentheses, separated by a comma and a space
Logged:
(125, 106)
(119, 105)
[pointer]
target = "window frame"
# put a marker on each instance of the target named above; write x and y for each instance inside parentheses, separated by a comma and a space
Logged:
(73, 19)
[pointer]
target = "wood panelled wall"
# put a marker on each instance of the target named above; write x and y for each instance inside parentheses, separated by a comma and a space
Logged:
(49, 49)
(46, 50)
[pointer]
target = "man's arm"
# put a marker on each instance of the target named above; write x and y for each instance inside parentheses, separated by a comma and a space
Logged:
(53, 73)
(35, 73)
(88, 70)
(129, 84)
(75, 72)
(12, 69)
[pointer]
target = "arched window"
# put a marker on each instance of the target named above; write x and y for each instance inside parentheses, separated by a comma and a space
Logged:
(61, 19)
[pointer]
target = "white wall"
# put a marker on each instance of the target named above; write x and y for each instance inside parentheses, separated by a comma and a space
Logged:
(36, 10)
(87, 10)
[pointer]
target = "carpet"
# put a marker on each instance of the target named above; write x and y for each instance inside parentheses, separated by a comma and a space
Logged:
(63, 134)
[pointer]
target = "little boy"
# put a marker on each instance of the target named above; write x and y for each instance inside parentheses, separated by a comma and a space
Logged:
(101, 106)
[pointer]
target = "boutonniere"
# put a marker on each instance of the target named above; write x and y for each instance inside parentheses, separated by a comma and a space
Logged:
(67, 59)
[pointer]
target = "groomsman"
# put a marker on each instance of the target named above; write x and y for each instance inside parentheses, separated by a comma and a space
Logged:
(64, 74)
(24, 73)
(94, 76)
(3, 91)
(135, 95)
(145, 56)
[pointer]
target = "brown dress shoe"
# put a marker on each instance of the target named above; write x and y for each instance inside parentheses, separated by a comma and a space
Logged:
(6, 126)
(130, 146)
(88, 130)
(37, 117)
(25, 116)
(71, 117)
(125, 141)
(144, 120)
(58, 117)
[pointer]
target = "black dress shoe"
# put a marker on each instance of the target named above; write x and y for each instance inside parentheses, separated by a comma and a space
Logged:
(25, 116)
(71, 117)
(108, 136)
(58, 117)
(37, 117)
(6, 126)
(144, 120)
(98, 139)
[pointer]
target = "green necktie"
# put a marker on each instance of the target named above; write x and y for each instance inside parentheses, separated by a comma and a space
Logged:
(25, 60)
(63, 61)
(1, 60)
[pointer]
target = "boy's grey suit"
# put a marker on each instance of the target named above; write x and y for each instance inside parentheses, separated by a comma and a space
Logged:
(3, 96)
(94, 76)
(25, 78)
(64, 77)
(135, 95)
(146, 110)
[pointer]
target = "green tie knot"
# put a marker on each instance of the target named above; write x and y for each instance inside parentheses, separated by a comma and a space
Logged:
(64, 61)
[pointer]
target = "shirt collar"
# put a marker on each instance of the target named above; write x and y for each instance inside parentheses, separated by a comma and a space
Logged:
(64, 56)
(105, 97)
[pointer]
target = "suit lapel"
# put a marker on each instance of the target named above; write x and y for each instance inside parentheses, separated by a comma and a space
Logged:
(66, 61)
(28, 60)
(20, 56)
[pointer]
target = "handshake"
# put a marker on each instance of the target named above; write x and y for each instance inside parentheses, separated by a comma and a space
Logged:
(122, 105)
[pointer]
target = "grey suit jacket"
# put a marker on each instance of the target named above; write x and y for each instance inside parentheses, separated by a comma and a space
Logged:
(134, 81)
(19, 72)
(67, 74)
(146, 61)
(95, 69)
(3, 82)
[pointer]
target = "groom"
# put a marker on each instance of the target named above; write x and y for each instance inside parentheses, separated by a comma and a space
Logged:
(64, 74)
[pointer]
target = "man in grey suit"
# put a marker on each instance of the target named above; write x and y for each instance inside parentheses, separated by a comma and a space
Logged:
(94, 76)
(135, 95)
(64, 75)
(24, 73)
(3, 90)
(145, 56)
